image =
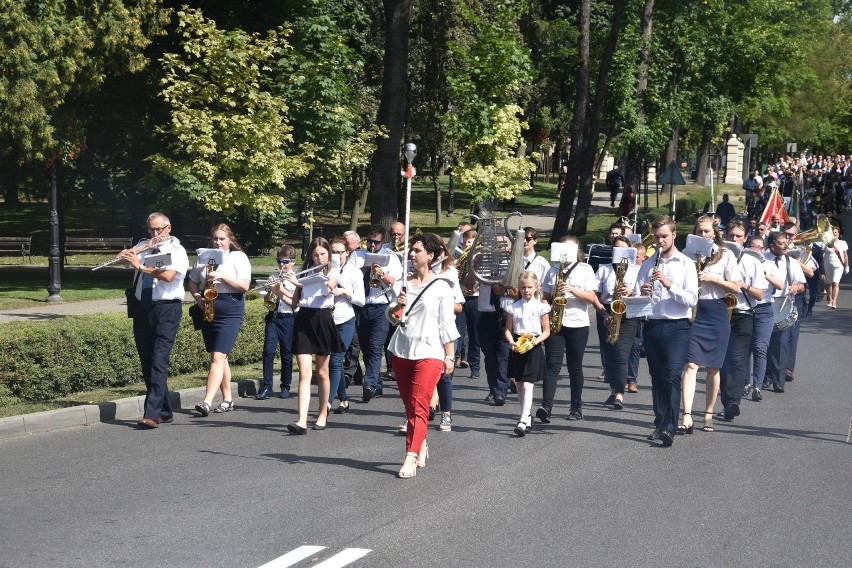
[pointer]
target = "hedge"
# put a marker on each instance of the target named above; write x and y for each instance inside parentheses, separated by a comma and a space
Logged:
(47, 360)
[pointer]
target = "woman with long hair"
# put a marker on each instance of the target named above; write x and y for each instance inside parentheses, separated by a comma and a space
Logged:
(708, 337)
(315, 334)
(423, 345)
(231, 280)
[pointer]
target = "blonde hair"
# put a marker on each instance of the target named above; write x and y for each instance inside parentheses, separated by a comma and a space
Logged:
(530, 275)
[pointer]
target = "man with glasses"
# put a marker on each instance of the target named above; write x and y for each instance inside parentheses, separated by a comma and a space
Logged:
(397, 240)
(280, 323)
(373, 325)
(155, 306)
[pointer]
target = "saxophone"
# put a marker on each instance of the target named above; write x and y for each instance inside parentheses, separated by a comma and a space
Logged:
(617, 307)
(700, 262)
(210, 293)
(559, 300)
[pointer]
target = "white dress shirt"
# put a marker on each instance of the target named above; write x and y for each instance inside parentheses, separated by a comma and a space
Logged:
(381, 294)
(351, 279)
(537, 264)
(726, 269)
(163, 290)
(607, 278)
(677, 301)
(751, 270)
(235, 265)
(576, 311)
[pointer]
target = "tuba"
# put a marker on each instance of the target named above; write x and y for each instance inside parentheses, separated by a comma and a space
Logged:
(807, 239)
(617, 307)
(492, 262)
(559, 300)
(210, 292)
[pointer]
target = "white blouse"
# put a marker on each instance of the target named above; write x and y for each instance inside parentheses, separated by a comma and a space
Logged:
(429, 324)
(576, 311)
(526, 315)
(351, 279)
(607, 278)
(236, 265)
(726, 269)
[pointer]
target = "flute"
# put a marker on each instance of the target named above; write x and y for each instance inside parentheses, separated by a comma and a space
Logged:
(151, 243)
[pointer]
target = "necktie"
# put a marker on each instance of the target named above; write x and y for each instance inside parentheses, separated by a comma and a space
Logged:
(147, 291)
(777, 261)
(526, 264)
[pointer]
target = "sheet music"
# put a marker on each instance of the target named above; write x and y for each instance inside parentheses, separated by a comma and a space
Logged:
(619, 253)
(371, 258)
(157, 260)
(637, 306)
(314, 286)
(206, 254)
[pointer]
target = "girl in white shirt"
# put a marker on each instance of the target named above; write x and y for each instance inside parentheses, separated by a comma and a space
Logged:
(527, 316)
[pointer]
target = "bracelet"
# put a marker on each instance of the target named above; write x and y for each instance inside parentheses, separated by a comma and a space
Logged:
(449, 358)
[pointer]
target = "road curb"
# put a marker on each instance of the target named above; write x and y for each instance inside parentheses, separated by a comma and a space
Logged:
(121, 409)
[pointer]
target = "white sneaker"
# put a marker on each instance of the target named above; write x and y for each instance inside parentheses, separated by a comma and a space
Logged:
(446, 424)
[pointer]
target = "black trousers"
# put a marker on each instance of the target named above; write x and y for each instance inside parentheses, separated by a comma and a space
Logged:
(495, 351)
(733, 372)
(617, 357)
(154, 331)
(569, 345)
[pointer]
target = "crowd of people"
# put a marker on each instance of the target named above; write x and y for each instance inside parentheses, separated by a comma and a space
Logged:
(735, 312)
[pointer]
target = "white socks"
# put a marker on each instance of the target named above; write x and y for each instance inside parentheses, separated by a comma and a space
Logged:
(525, 397)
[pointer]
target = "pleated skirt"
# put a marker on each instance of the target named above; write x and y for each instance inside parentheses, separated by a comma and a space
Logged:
(315, 333)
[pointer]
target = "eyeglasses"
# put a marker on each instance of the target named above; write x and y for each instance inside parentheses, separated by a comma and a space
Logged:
(374, 242)
(283, 261)
(158, 229)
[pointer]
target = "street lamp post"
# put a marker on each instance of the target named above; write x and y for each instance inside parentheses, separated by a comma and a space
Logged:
(54, 285)
(452, 194)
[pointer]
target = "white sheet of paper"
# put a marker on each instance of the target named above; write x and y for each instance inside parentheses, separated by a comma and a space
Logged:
(563, 252)
(206, 254)
(314, 286)
(637, 306)
(619, 253)
(371, 258)
(698, 246)
(157, 260)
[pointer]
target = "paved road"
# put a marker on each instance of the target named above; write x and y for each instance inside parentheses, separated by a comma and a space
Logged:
(236, 490)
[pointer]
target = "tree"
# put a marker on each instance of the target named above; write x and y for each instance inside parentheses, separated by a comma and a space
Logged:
(228, 130)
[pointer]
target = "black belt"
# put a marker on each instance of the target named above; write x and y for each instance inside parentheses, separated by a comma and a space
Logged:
(232, 294)
(161, 302)
(282, 315)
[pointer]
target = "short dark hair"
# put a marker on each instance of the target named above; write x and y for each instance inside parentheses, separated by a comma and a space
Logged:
(773, 236)
(377, 230)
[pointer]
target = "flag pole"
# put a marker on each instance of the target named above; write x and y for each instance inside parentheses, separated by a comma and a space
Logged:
(410, 153)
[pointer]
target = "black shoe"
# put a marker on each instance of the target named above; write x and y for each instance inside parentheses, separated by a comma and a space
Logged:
(732, 410)
(285, 393)
(378, 393)
(543, 415)
(343, 408)
(489, 397)
(166, 419)
(655, 435)
(789, 378)
(367, 395)
(575, 413)
(296, 429)
(666, 438)
(474, 374)
(778, 389)
(319, 427)
(609, 400)
(766, 385)
(618, 404)
(264, 393)
(521, 429)
(499, 400)
(756, 396)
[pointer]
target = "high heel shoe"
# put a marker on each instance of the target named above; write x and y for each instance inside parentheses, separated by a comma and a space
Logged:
(423, 455)
(683, 428)
(708, 422)
(409, 466)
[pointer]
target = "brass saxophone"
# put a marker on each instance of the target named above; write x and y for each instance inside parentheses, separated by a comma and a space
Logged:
(210, 293)
(559, 300)
(617, 307)
(700, 261)
(463, 268)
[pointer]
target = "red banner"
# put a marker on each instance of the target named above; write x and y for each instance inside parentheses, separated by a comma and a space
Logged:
(775, 206)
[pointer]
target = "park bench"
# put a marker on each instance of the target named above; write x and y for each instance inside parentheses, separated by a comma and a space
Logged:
(17, 245)
(193, 242)
(90, 245)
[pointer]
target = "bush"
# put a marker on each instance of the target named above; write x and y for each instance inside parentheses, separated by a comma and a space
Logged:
(44, 361)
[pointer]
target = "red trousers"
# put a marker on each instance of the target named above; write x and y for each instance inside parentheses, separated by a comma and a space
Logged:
(416, 380)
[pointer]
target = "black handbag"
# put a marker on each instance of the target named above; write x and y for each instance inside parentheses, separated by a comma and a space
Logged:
(197, 315)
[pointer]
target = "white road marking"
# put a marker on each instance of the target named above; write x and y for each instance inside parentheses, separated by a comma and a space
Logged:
(293, 557)
(341, 559)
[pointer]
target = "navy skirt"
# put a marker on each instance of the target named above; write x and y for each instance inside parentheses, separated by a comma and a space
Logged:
(315, 333)
(708, 338)
(228, 313)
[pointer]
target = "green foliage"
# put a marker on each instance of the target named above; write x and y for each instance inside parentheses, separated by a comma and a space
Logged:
(56, 50)
(228, 129)
(484, 122)
(42, 361)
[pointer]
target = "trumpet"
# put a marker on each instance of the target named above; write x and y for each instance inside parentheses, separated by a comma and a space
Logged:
(144, 246)
(269, 300)
(312, 271)
(524, 343)
(375, 278)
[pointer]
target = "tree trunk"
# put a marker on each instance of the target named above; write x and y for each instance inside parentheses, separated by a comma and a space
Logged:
(581, 101)
(590, 146)
(436, 184)
(391, 115)
(702, 156)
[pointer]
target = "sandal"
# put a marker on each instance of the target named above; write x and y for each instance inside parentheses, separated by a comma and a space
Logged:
(224, 406)
(708, 423)
(423, 455)
(203, 409)
(683, 428)
(409, 466)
